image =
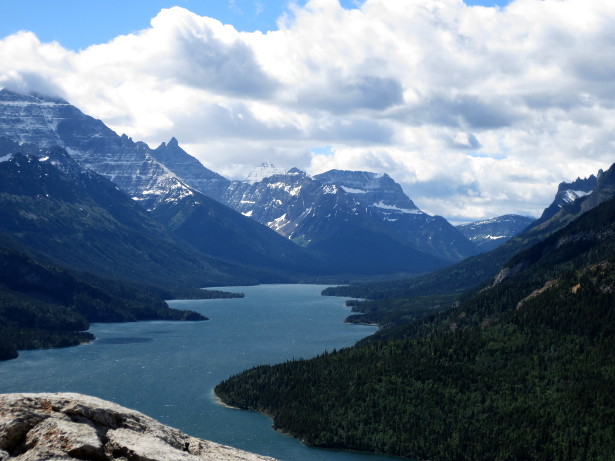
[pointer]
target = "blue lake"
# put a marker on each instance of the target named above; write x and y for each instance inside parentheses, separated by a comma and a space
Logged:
(168, 370)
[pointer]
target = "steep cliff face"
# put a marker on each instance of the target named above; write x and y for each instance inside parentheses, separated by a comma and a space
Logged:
(74, 426)
(47, 121)
(567, 194)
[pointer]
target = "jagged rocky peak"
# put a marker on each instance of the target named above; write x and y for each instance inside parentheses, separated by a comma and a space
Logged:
(264, 170)
(74, 426)
(296, 172)
(181, 163)
(569, 192)
(190, 169)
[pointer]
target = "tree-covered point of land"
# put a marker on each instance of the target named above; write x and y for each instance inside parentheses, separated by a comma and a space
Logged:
(44, 306)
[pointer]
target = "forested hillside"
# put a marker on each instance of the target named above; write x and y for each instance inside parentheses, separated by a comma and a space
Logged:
(396, 302)
(43, 306)
(522, 369)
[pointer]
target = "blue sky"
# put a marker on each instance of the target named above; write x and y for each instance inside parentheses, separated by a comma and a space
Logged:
(77, 24)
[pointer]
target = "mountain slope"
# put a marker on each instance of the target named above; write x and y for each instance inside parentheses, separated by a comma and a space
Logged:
(79, 219)
(213, 229)
(523, 369)
(478, 269)
(134, 169)
(301, 208)
(43, 306)
(386, 200)
(327, 219)
(491, 233)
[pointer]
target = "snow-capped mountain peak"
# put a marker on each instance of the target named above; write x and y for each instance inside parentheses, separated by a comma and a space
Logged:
(264, 170)
(372, 189)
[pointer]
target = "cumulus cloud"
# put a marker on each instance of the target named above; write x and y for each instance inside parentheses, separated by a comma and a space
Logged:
(476, 111)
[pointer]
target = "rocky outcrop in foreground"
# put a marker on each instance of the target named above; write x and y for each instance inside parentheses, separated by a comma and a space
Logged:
(79, 427)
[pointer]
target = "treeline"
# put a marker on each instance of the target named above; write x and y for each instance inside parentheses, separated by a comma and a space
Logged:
(197, 293)
(520, 369)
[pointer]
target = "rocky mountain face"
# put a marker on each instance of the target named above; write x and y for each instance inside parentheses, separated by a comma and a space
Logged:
(325, 218)
(52, 206)
(74, 426)
(567, 193)
(312, 210)
(47, 122)
(573, 199)
(386, 200)
(196, 219)
(337, 222)
(491, 233)
(190, 170)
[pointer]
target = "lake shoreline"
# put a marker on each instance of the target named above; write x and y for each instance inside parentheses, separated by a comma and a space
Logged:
(166, 369)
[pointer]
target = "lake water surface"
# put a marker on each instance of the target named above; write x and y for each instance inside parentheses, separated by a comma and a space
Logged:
(168, 370)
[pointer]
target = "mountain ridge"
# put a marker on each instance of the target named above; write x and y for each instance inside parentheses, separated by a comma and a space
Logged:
(490, 233)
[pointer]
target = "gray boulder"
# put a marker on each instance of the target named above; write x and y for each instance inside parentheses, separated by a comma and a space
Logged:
(78, 427)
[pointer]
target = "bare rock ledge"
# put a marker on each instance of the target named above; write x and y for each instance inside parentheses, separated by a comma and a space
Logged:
(79, 427)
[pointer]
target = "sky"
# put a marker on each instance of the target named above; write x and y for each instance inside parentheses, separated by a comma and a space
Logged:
(477, 109)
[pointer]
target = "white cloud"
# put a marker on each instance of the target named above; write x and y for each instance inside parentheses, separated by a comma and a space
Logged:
(476, 111)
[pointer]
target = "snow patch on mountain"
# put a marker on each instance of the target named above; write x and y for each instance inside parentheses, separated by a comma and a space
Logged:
(489, 233)
(570, 195)
(278, 223)
(290, 190)
(330, 189)
(384, 206)
(350, 190)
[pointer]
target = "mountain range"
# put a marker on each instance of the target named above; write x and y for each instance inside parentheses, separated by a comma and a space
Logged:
(334, 223)
(76, 196)
(474, 271)
(500, 345)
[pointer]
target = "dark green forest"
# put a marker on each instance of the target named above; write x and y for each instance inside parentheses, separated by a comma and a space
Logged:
(43, 306)
(522, 367)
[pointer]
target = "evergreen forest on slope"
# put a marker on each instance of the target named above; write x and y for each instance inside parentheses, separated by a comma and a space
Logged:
(523, 368)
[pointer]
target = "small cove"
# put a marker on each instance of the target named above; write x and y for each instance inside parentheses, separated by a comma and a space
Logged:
(168, 370)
